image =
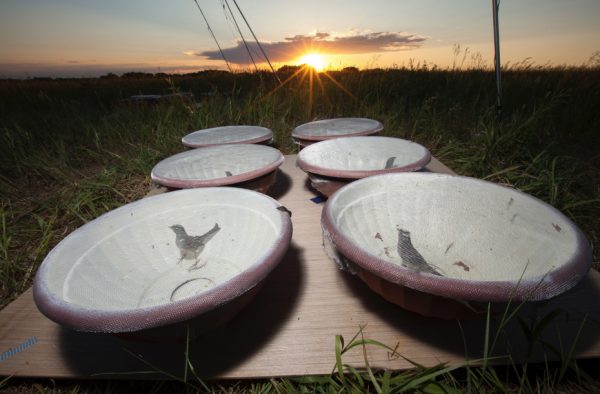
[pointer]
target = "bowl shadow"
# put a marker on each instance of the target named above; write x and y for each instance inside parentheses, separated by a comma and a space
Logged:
(212, 354)
(282, 185)
(571, 319)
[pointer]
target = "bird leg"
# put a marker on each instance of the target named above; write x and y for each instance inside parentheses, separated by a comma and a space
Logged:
(195, 265)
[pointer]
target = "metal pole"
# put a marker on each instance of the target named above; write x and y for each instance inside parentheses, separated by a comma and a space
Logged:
(495, 7)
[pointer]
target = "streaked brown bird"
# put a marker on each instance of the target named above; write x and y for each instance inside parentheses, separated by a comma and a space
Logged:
(411, 257)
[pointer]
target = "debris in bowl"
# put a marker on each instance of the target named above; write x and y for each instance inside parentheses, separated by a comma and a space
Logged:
(449, 247)
(462, 265)
(386, 250)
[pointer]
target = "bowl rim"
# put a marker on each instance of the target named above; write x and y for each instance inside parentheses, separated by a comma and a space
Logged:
(307, 166)
(266, 136)
(302, 143)
(297, 132)
(82, 318)
(538, 288)
(223, 181)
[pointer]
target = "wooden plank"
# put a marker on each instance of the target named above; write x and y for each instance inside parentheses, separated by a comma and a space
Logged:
(290, 328)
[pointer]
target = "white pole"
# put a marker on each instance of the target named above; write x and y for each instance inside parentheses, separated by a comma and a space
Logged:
(495, 7)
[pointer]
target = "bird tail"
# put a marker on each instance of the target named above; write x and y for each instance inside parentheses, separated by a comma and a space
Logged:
(211, 233)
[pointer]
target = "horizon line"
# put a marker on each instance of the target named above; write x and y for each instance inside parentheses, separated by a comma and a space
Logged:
(100, 73)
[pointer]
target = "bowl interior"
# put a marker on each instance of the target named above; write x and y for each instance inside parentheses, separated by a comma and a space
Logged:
(465, 229)
(357, 157)
(227, 135)
(216, 165)
(129, 258)
(326, 128)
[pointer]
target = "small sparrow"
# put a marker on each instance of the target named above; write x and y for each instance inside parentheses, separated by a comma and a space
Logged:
(190, 245)
(411, 258)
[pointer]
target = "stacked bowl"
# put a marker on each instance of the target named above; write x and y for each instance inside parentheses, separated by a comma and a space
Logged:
(321, 130)
(331, 164)
(249, 166)
(242, 134)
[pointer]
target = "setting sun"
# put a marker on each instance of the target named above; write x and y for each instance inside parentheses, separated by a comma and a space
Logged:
(314, 60)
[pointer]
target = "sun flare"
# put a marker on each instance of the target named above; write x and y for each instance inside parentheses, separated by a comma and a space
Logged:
(314, 60)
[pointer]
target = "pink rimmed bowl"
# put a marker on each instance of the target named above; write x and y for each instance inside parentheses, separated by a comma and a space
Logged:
(221, 165)
(333, 163)
(320, 130)
(481, 241)
(124, 272)
(228, 135)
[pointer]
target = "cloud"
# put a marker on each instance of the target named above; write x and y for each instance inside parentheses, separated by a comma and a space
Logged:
(293, 47)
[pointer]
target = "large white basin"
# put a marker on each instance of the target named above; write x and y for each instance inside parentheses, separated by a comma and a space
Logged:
(124, 271)
(479, 241)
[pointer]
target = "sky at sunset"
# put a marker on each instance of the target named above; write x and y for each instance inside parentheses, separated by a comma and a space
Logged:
(62, 38)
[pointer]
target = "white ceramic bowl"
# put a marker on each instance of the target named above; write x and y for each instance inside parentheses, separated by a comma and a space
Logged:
(320, 130)
(360, 157)
(217, 166)
(485, 242)
(228, 135)
(124, 272)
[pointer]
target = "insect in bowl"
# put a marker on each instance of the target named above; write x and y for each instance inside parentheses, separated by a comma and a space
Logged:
(435, 243)
(129, 270)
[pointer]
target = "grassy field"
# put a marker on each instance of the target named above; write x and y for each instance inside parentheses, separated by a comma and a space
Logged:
(70, 150)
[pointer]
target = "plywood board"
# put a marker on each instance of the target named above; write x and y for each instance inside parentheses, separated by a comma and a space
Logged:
(290, 327)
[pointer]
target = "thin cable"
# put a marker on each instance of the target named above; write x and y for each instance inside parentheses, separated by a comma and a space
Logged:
(230, 26)
(213, 36)
(257, 42)
(241, 35)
